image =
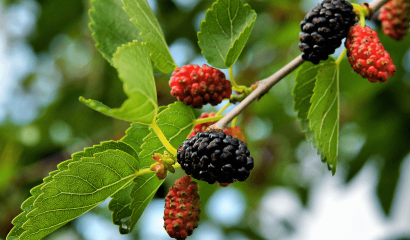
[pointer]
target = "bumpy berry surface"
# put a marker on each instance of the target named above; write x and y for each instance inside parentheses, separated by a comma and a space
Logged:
(323, 29)
(367, 55)
(214, 156)
(395, 18)
(203, 126)
(197, 86)
(236, 132)
(182, 208)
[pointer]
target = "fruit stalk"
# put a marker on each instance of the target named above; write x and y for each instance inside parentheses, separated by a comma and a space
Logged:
(266, 84)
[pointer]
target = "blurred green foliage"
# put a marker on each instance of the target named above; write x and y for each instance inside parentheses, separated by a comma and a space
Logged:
(381, 112)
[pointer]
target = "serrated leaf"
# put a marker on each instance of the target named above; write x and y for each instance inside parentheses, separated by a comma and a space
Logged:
(120, 203)
(111, 26)
(29, 205)
(135, 70)
(324, 111)
(176, 122)
(145, 20)
(134, 136)
(225, 31)
(302, 93)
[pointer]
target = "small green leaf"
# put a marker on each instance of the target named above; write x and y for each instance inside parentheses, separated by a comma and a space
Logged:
(111, 26)
(135, 70)
(145, 20)
(33, 223)
(324, 111)
(176, 122)
(225, 31)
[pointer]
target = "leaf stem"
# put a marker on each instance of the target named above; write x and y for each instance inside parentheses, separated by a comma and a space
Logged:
(235, 120)
(142, 172)
(163, 139)
(223, 109)
(362, 20)
(340, 58)
(206, 120)
(235, 86)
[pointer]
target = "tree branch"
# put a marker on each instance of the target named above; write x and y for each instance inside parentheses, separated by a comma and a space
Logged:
(376, 4)
(265, 85)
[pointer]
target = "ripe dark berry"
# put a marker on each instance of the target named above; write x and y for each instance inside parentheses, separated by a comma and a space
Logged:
(182, 208)
(203, 126)
(323, 29)
(197, 86)
(214, 156)
(395, 18)
(367, 55)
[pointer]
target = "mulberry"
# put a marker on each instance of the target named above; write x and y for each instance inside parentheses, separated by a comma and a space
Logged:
(367, 55)
(214, 156)
(182, 208)
(323, 29)
(197, 86)
(395, 18)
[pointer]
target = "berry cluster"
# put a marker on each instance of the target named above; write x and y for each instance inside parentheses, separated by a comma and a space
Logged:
(197, 86)
(214, 156)
(367, 55)
(182, 208)
(323, 29)
(395, 18)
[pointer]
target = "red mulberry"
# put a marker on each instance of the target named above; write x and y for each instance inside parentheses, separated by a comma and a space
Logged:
(197, 86)
(367, 55)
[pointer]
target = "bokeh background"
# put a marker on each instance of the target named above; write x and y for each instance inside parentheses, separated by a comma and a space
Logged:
(48, 60)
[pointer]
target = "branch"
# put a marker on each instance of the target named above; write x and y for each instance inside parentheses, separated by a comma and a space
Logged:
(265, 85)
(376, 4)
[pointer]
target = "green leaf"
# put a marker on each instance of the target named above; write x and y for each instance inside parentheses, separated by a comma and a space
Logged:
(134, 136)
(145, 20)
(225, 31)
(111, 26)
(176, 122)
(302, 93)
(135, 70)
(120, 204)
(305, 80)
(324, 111)
(24, 228)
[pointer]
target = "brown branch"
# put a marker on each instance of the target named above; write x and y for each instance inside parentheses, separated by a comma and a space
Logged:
(376, 4)
(266, 84)
(263, 87)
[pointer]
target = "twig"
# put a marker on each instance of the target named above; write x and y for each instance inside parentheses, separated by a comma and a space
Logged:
(266, 84)
(376, 4)
(263, 87)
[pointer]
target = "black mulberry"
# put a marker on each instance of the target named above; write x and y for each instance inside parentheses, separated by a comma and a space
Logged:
(214, 156)
(324, 28)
